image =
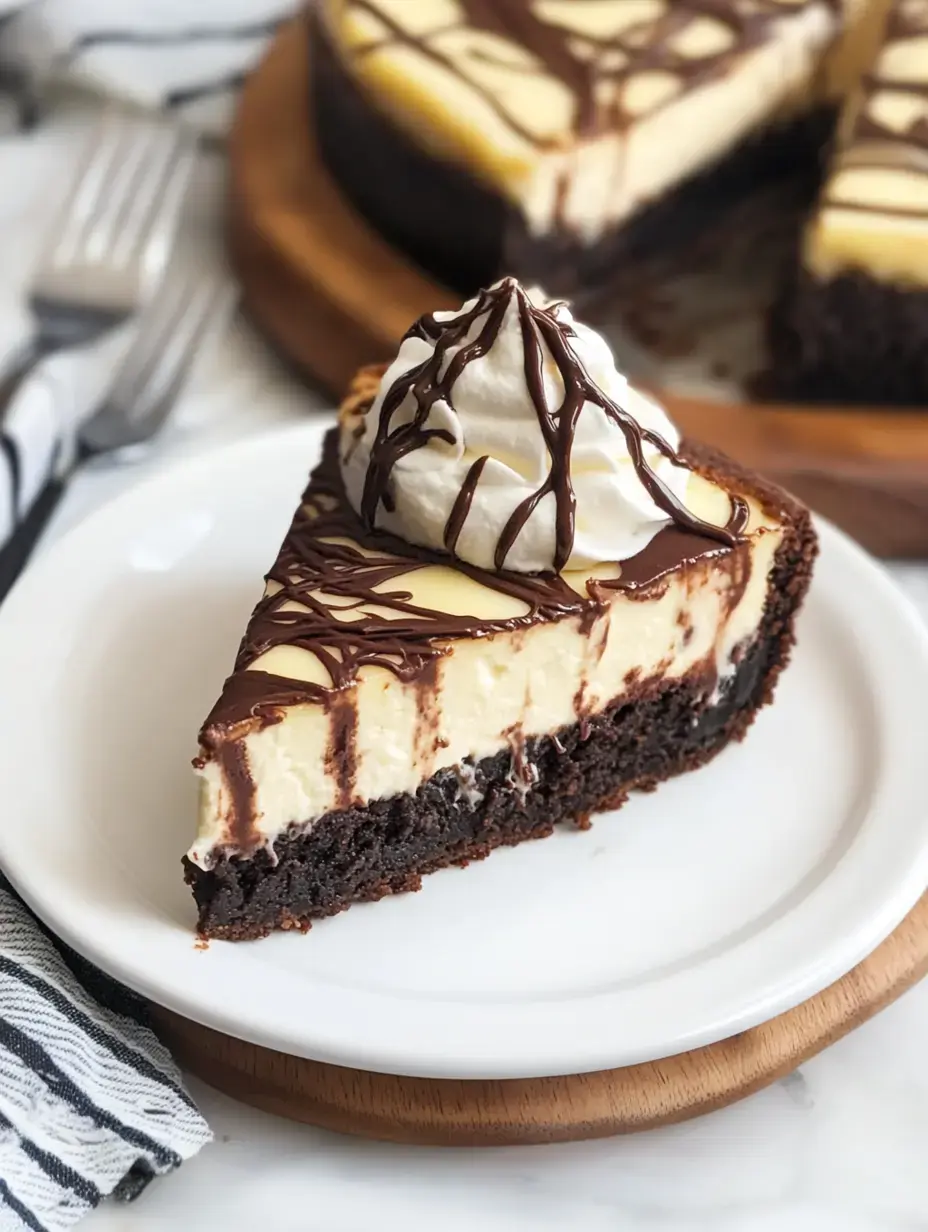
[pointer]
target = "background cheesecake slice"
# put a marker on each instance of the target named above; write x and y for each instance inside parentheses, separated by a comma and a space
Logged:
(558, 139)
(854, 325)
(437, 667)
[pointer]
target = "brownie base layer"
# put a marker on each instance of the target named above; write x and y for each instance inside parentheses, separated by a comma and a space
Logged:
(849, 340)
(362, 854)
(466, 235)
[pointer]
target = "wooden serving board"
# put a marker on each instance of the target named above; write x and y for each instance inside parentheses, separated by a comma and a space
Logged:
(448, 1112)
(331, 295)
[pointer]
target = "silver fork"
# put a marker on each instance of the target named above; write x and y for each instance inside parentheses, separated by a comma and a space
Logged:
(173, 333)
(109, 240)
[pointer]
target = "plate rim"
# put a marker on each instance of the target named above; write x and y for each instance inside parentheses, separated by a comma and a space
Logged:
(376, 1055)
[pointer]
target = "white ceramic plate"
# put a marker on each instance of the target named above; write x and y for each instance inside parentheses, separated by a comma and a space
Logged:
(726, 897)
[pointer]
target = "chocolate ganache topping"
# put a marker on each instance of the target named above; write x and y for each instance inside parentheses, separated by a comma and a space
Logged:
(577, 114)
(341, 589)
(504, 434)
(598, 59)
(890, 128)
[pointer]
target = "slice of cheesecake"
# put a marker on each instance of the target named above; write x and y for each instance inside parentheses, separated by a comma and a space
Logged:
(559, 138)
(854, 327)
(510, 596)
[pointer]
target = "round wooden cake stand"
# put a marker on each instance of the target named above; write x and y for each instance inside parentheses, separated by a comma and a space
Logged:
(331, 295)
(447, 1112)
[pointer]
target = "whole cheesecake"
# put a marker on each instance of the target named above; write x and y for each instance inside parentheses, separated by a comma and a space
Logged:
(509, 597)
(562, 139)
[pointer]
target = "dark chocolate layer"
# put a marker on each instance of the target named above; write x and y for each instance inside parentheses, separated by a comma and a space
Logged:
(851, 340)
(467, 235)
(660, 729)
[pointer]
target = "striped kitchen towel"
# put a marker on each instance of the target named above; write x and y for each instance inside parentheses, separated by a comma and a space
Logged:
(91, 1104)
(187, 58)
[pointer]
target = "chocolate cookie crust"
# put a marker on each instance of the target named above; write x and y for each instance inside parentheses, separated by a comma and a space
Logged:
(850, 340)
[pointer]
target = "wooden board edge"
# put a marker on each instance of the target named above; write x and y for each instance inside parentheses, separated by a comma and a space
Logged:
(447, 1112)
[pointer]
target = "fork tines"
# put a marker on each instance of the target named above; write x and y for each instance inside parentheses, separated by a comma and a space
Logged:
(134, 169)
(172, 331)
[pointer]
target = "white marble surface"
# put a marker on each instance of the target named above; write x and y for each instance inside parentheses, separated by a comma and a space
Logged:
(839, 1147)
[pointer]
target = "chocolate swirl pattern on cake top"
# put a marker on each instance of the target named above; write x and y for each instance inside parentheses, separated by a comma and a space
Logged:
(330, 564)
(336, 589)
(345, 596)
(889, 132)
(614, 65)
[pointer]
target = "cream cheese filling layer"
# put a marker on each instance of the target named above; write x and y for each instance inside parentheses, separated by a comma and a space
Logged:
(475, 98)
(489, 692)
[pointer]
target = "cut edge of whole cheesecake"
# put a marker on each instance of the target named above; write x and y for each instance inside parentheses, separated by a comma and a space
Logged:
(851, 324)
(394, 710)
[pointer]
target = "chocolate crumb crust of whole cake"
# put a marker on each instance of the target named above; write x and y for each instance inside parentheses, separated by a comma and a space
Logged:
(460, 225)
(336, 556)
(850, 340)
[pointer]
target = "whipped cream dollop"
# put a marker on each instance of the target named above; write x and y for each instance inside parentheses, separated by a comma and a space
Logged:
(476, 442)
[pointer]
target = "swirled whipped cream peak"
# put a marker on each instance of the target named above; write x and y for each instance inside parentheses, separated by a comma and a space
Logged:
(504, 433)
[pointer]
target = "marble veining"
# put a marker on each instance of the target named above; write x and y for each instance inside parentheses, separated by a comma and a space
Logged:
(837, 1147)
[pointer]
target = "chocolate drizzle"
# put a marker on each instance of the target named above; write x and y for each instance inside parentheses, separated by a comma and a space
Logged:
(875, 145)
(337, 592)
(462, 503)
(543, 334)
(596, 68)
(427, 737)
(318, 574)
(236, 773)
(342, 754)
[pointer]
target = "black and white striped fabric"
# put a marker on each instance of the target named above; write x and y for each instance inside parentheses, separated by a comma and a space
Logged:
(91, 1104)
(188, 58)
